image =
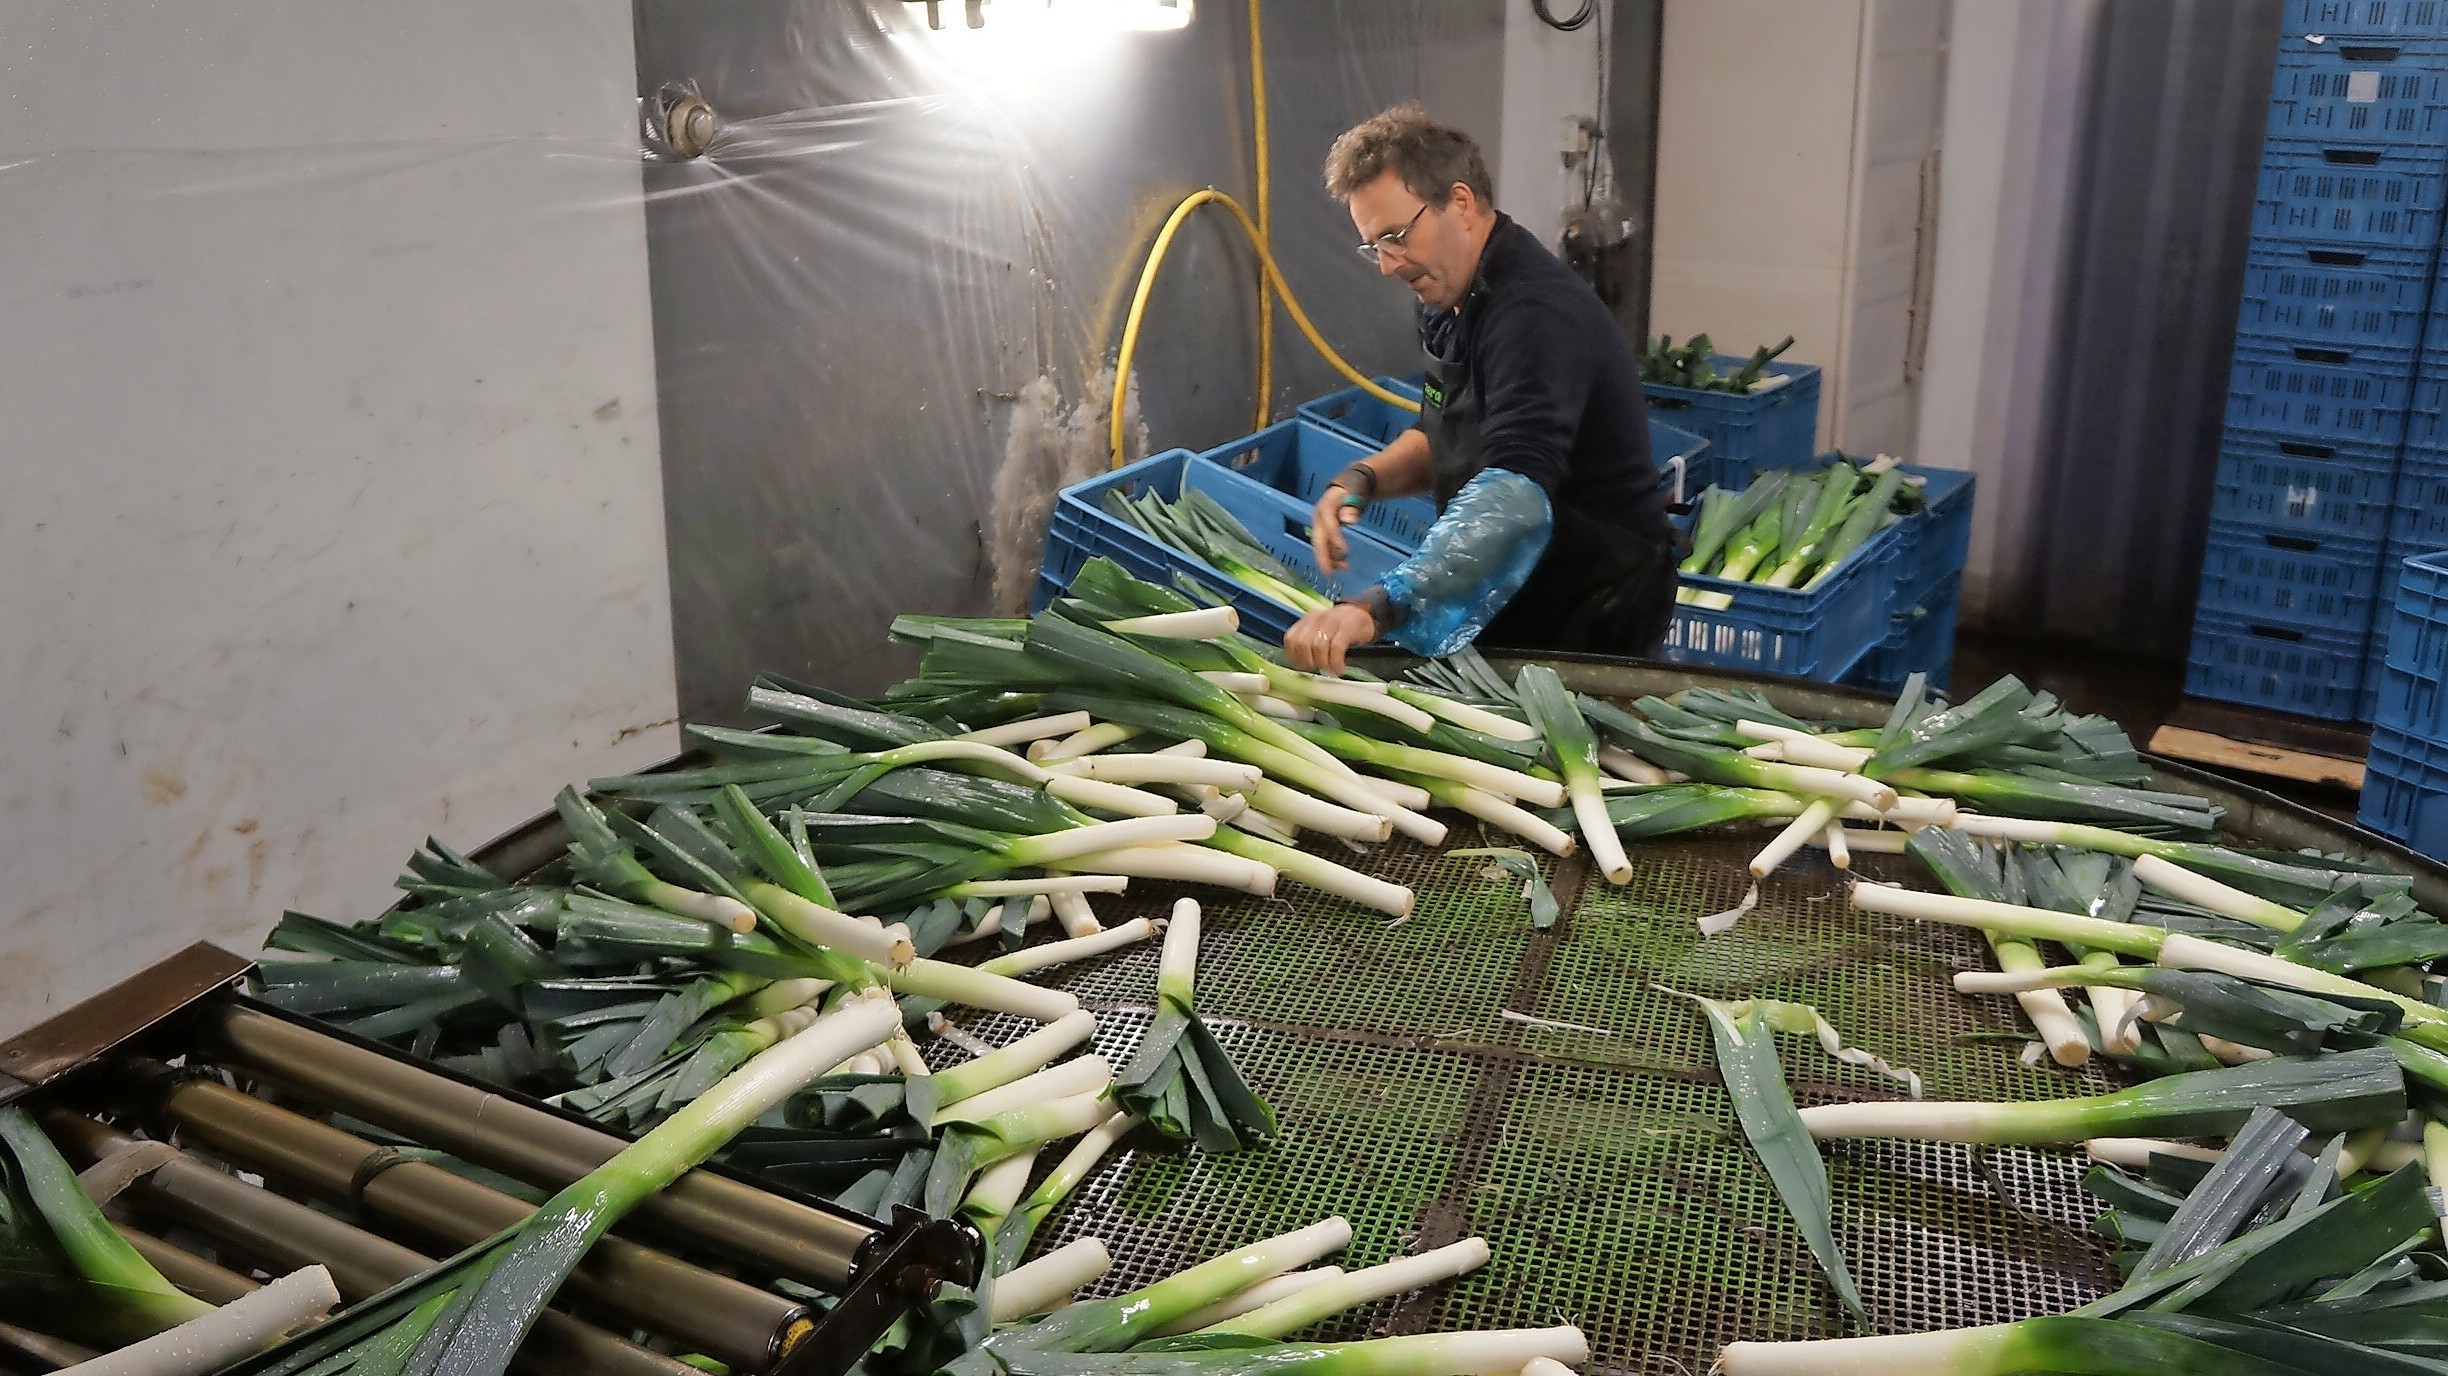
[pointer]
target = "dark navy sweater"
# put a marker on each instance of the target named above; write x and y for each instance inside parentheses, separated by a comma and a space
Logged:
(1558, 384)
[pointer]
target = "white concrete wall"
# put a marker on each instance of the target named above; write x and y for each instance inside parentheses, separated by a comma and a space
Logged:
(1548, 76)
(1899, 99)
(1755, 176)
(1794, 141)
(330, 509)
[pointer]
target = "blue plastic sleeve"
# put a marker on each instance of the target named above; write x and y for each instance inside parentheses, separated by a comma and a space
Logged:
(1476, 556)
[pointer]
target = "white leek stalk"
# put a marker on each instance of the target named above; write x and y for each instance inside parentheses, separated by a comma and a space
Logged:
(1041, 851)
(1072, 911)
(1631, 768)
(1049, 1281)
(1309, 813)
(1263, 1293)
(1069, 1079)
(1812, 822)
(1840, 852)
(818, 925)
(1188, 864)
(1497, 812)
(1236, 682)
(1168, 769)
(1267, 828)
(241, 1328)
(1048, 884)
(1464, 715)
(1398, 1277)
(1087, 741)
(1104, 941)
(1269, 705)
(1120, 799)
(1200, 623)
(978, 989)
(1022, 1058)
(2134, 1153)
(2204, 892)
(1031, 729)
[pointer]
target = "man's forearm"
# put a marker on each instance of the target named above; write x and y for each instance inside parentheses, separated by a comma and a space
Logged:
(1402, 468)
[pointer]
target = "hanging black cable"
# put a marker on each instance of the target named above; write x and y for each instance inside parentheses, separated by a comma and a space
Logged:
(1580, 18)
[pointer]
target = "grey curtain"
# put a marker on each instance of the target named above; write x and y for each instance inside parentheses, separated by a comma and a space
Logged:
(2159, 207)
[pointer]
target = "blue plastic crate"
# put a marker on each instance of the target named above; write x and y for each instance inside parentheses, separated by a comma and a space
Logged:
(2342, 87)
(2408, 18)
(2318, 488)
(1933, 545)
(2329, 582)
(2418, 510)
(2336, 295)
(1820, 633)
(2321, 391)
(2411, 646)
(2388, 197)
(1081, 530)
(1299, 459)
(1376, 422)
(2405, 791)
(2316, 672)
(1919, 641)
(1747, 434)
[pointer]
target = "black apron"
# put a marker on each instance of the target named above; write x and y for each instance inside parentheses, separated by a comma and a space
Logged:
(1601, 588)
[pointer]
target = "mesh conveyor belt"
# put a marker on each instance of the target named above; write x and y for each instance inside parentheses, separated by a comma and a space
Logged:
(1605, 1170)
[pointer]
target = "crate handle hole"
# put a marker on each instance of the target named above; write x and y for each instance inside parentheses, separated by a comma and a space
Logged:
(2294, 542)
(2351, 157)
(2369, 53)
(2278, 633)
(2305, 451)
(2309, 355)
(2333, 258)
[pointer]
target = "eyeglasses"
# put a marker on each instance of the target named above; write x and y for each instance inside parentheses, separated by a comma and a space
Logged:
(1392, 240)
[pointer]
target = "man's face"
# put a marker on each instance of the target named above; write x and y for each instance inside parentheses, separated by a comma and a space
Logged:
(1436, 256)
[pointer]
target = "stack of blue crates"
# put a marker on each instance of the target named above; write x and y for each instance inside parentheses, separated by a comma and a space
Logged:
(2333, 466)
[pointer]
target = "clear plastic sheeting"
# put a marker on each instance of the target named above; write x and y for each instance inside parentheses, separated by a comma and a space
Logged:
(897, 232)
(1477, 555)
(329, 494)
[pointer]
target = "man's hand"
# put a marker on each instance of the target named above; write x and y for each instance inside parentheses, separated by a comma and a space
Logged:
(1326, 527)
(1317, 642)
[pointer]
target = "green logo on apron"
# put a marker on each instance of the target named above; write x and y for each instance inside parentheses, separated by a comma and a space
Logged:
(1432, 394)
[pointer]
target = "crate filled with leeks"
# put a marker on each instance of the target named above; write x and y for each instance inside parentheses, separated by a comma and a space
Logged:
(1795, 573)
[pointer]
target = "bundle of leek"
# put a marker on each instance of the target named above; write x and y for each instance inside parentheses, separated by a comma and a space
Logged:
(1789, 528)
(1199, 526)
(1181, 1080)
(2264, 1265)
(1222, 1327)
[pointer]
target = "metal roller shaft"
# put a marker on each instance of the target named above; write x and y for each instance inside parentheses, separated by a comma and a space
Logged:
(729, 1320)
(283, 1235)
(189, 1272)
(788, 1238)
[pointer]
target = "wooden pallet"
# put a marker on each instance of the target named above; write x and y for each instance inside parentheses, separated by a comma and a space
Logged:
(2242, 740)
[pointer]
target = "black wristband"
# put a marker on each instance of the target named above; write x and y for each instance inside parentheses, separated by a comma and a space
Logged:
(1379, 607)
(1367, 484)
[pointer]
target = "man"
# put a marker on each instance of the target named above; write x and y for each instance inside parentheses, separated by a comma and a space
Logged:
(1551, 531)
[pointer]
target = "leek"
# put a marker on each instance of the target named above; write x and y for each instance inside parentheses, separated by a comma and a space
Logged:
(1747, 1061)
(1181, 1081)
(69, 1271)
(1575, 748)
(468, 1317)
(2329, 1093)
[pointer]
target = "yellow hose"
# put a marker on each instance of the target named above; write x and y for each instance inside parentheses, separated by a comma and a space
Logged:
(1266, 216)
(1256, 231)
